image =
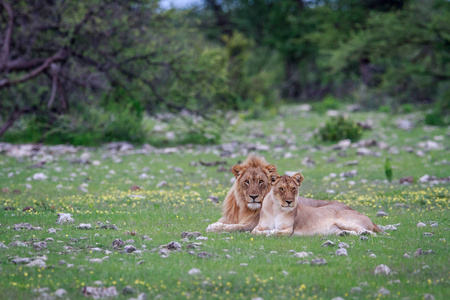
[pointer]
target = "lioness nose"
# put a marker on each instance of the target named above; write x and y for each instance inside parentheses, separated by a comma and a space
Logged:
(253, 196)
(288, 202)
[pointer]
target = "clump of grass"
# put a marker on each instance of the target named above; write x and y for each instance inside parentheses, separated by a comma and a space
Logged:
(340, 128)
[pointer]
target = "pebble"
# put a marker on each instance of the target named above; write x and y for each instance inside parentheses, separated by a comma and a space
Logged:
(194, 271)
(128, 290)
(372, 255)
(301, 254)
(129, 248)
(355, 290)
(52, 230)
(382, 270)
(84, 226)
(95, 260)
(363, 238)
(318, 262)
(406, 255)
(343, 245)
(420, 224)
(341, 252)
(328, 243)
(60, 293)
(243, 264)
(18, 261)
(382, 213)
(383, 291)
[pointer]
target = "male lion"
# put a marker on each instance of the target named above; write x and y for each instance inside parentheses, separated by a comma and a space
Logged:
(283, 214)
(243, 203)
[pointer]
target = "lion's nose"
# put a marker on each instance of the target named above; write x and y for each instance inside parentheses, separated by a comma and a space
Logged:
(288, 202)
(253, 197)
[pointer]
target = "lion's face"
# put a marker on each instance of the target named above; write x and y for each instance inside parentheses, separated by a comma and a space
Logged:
(254, 183)
(285, 190)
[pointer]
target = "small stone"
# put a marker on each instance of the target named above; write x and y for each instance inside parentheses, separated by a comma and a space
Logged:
(394, 281)
(19, 261)
(60, 293)
(318, 262)
(228, 256)
(383, 291)
(37, 263)
(130, 241)
(355, 290)
(194, 271)
(382, 270)
(173, 246)
(146, 237)
(96, 249)
(341, 252)
(382, 213)
(95, 260)
(406, 255)
(428, 297)
(243, 264)
(62, 262)
(337, 298)
(203, 254)
(273, 252)
(343, 245)
(128, 290)
(161, 184)
(117, 243)
(40, 246)
(51, 230)
(328, 244)
(363, 238)
(84, 226)
(301, 254)
(129, 248)
(420, 224)
(140, 262)
(3, 246)
(427, 234)
(372, 255)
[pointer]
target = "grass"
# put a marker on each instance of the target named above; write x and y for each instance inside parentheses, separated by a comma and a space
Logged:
(183, 205)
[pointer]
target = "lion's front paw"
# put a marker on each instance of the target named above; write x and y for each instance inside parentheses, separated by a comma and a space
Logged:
(346, 232)
(216, 227)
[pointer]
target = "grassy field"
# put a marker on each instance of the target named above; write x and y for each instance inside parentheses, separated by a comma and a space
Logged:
(235, 265)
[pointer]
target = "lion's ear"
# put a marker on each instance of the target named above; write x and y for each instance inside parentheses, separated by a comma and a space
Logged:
(271, 168)
(298, 178)
(274, 178)
(237, 170)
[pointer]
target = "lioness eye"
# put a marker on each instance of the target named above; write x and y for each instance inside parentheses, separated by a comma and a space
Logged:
(293, 189)
(261, 182)
(281, 189)
(247, 182)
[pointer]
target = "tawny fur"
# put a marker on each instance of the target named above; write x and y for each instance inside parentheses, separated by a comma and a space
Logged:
(239, 213)
(283, 214)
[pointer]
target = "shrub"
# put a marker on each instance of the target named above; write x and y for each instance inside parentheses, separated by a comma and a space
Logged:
(407, 108)
(340, 128)
(384, 109)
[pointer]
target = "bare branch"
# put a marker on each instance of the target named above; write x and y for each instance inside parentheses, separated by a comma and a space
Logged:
(7, 41)
(60, 55)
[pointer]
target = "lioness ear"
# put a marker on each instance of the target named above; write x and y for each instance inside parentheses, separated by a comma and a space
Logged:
(236, 170)
(298, 178)
(271, 168)
(274, 178)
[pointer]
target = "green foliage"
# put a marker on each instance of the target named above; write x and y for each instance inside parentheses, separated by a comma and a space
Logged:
(340, 128)
(328, 103)
(385, 109)
(388, 169)
(407, 108)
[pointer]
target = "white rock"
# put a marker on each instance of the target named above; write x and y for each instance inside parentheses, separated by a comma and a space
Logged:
(95, 260)
(424, 178)
(383, 270)
(84, 226)
(60, 293)
(39, 176)
(420, 224)
(194, 271)
(301, 254)
(143, 176)
(64, 218)
(341, 252)
(37, 263)
(51, 230)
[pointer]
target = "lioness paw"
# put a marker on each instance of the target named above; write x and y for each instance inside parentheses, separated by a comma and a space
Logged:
(346, 232)
(215, 227)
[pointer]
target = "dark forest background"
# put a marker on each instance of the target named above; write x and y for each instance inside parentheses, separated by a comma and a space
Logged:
(88, 72)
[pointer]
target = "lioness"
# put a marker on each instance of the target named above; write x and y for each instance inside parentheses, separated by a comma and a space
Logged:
(242, 205)
(283, 214)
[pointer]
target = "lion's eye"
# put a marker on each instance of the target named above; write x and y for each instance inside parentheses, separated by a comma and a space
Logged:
(247, 182)
(293, 189)
(261, 182)
(281, 189)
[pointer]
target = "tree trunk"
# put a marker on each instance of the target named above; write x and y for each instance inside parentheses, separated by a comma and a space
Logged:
(292, 88)
(12, 119)
(364, 70)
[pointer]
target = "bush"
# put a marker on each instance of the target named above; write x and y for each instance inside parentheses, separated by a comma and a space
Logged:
(340, 128)
(384, 109)
(407, 108)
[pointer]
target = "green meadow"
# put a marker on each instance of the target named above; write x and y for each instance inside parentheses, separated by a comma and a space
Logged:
(178, 193)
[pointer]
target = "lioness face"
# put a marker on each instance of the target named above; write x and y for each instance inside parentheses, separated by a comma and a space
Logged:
(285, 190)
(254, 183)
